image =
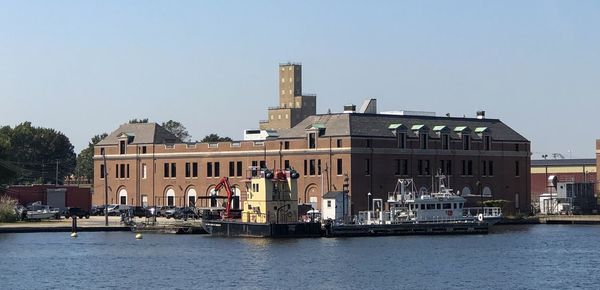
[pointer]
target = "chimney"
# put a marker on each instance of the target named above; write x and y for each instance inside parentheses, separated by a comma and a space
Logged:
(349, 109)
(480, 115)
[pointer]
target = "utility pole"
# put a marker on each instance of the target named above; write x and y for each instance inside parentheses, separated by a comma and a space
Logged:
(56, 180)
(105, 190)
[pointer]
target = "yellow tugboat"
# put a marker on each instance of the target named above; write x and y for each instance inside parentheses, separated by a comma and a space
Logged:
(270, 209)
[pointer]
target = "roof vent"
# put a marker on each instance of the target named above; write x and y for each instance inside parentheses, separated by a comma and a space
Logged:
(480, 115)
(349, 109)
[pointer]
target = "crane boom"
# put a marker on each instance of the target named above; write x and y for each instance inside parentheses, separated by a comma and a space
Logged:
(224, 183)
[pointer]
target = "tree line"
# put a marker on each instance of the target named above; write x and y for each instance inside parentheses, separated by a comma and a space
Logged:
(37, 155)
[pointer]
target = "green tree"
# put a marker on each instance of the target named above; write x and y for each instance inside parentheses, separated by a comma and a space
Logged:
(138, 121)
(212, 138)
(85, 159)
(33, 152)
(177, 129)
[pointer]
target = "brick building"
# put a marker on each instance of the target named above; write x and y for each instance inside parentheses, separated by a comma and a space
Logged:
(566, 170)
(351, 151)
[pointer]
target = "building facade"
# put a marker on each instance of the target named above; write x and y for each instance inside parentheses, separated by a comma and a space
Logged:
(565, 170)
(360, 153)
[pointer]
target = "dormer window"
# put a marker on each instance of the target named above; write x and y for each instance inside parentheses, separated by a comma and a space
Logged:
(465, 134)
(312, 141)
(444, 133)
(487, 142)
(423, 140)
(445, 141)
(484, 134)
(122, 146)
(313, 131)
(399, 131)
(423, 132)
(466, 140)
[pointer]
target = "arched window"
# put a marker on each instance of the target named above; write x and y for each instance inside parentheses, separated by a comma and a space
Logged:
(122, 196)
(170, 197)
(487, 192)
(466, 191)
(191, 197)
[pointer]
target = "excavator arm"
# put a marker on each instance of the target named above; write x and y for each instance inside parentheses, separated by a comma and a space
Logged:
(224, 183)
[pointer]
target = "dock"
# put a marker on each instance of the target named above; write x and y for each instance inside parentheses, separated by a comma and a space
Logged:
(570, 219)
(403, 229)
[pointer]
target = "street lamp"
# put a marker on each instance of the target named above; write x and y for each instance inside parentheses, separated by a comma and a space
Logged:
(545, 156)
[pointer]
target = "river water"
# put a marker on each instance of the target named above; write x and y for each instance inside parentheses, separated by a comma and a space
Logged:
(510, 257)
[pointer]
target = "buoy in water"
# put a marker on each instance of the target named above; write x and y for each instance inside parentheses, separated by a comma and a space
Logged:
(138, 236)
(73, 235)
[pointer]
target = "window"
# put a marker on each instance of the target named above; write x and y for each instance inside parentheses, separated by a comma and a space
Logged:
(487, 140)
(122, 171)
(117, 171)
(339, 143)
(483, 168)
(516, 147)
(517, 172)
(367, 166)
(420, 167)
(231, 168)
(368, 143)
(427, 167)
(312, 141)
(312, 167)
(470, 167)
(445, 141)
(102, 171)
(467, 168)
(404, 166)
(144, 171)
(423, 140)
(127, 175)
(173, 170)
(319, 167)
(144, 149)
(239, 168)
(209, 169)
(340, 166)
(402, 140)
(442, 168)
(449, 167)
(263, 164)
(188, 170)
(166, 170)
(122, 147)
(397, 171)
(217, 169)
(329, 203)
(491, 168)
(466, 142)
(286, 145)
(305, 168)
(195, 169)
(101, 151)
(286, 164)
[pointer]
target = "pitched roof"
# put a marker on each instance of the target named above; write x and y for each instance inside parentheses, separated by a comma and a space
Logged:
(332, 194)
(141, 133)
(378, 125)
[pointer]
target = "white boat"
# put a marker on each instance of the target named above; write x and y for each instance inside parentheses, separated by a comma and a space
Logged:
(406, 205)
(38, 211)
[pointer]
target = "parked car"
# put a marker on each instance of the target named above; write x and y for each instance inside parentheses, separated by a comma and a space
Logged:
(139, 211)
(168, 213)
(185, 213)
(97, 210)
(116, 209)
(162, 211)
(75, 211)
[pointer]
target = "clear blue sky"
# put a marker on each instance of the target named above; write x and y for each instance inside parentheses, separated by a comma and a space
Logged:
(84, 67)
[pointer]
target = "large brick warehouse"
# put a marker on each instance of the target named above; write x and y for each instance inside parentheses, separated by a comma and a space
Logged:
(358, 152)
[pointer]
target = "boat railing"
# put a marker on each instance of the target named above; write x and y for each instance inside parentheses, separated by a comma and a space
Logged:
(488, 211)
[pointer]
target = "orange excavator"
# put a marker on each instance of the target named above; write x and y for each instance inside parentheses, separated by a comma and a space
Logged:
(224, 183)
